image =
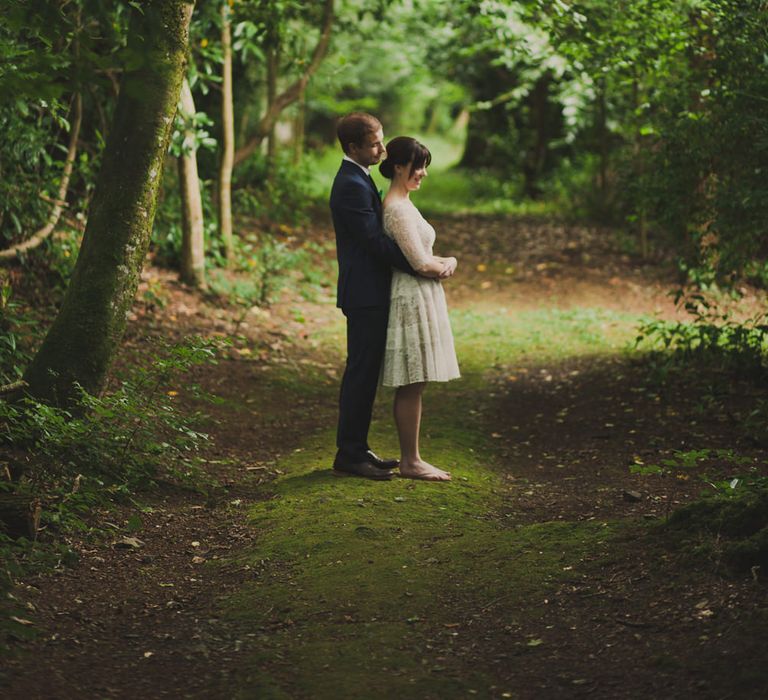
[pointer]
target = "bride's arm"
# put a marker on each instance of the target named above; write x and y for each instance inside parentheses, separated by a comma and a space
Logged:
(404, 230)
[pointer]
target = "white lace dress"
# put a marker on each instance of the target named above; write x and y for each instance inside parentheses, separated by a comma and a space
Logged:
(419, 339)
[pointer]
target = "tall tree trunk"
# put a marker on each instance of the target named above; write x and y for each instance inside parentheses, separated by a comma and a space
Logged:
(299, 129)
(227, 138)
(536, 154)
(192, 240)
(640, 168)
(273, 68)
(479, 150)
(602, 136)
(84, 337)
(293, 91)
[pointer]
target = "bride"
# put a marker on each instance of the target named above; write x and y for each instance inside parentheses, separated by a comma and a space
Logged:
(419, 346)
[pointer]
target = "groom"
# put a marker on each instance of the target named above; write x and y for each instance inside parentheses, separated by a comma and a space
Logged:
(366, 257)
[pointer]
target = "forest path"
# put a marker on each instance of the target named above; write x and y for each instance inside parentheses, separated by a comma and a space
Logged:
(529, 576)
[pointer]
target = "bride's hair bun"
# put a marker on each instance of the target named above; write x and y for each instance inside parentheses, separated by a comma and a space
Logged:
(403, 150)
(387, 168)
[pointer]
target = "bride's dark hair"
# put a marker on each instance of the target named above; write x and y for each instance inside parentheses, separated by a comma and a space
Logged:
(402, 150)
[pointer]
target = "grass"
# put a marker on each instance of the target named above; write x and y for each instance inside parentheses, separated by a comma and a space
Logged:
(447, 189)
(359, 585)
(488, 337)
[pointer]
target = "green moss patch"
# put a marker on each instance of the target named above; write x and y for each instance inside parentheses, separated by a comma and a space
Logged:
(381, 588)
(372, 584)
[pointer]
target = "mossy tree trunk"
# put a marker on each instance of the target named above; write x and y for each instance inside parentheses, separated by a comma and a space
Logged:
(84, 337)
(193, 237)
(227, 138)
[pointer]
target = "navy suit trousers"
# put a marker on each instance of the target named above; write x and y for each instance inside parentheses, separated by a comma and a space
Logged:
(366, 339)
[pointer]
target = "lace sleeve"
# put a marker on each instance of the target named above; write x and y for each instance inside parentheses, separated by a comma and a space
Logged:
(403, 225)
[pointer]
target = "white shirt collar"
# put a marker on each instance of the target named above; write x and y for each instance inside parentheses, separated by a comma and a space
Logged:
(362, 167)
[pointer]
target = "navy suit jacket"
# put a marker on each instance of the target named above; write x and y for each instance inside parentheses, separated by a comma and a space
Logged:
(366, 255)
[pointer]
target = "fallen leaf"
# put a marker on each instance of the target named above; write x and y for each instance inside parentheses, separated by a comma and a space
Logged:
(21, 620)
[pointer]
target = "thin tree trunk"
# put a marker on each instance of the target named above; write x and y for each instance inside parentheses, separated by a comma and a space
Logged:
(227, 138)
(639, 167)
(41, 234)
(536, 155)
(192, 240)
(293, 92)
(299, 126)
(602, 135)
(273, 68)
(242, 129)
(84, 337)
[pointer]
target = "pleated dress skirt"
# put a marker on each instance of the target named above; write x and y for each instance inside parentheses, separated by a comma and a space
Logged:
(419, 339)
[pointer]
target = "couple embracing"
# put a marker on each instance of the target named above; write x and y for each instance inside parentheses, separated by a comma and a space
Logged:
(390, 292)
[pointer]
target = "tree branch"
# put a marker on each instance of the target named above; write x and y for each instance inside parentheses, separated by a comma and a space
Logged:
(294, 91)
(60, 202)
(12, 387)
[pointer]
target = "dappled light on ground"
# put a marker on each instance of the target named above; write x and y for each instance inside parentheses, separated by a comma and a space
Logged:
(542, 570)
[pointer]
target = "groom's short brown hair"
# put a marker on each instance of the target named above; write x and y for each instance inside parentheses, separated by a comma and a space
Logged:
(354, 127)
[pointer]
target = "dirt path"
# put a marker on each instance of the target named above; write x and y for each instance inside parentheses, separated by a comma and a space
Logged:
(530, 576)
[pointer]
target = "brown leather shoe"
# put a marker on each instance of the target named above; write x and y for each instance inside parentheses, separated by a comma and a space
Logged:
(364, 469)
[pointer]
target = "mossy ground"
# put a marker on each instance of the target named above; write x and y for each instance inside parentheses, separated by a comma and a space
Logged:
(530, 575)
(377, 585)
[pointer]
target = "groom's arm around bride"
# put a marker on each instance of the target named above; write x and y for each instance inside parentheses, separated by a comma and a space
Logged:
(366, 257)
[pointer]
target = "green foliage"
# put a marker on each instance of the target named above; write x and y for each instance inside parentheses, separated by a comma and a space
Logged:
(48, 52)
(475, 191)
(266, 265)
(279, 192)
(711, 338)
(27, 165)
(117, 442)
(191, 133)
(13, 355)
(167, 231)
(735, 527)
(104, 449)
(725, 471)
(58, 257)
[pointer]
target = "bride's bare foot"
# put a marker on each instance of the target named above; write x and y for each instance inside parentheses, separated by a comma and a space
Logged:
(423, 470)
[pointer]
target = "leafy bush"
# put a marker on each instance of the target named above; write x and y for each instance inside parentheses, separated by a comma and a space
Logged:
(266, 261)
(112, 444)
(28, 169)
(737, 527)
(280, 194)
(13, 357)
(105, 449)
(712, 337)
(712, 349)
(267, 264)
